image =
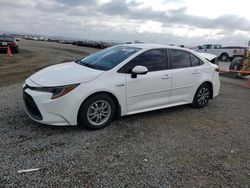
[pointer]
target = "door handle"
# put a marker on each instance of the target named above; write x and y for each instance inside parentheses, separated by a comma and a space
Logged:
(166, 76)
(196, 72)
(120, 85)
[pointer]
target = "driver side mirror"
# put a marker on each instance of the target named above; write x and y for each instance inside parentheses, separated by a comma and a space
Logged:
(138, 70)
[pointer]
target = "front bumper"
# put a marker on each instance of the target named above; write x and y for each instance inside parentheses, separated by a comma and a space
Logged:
(39, 106)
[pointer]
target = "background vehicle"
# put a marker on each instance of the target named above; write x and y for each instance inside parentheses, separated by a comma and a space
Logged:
(8, 41)
(121, 80)
(240, 66)
(224, 53)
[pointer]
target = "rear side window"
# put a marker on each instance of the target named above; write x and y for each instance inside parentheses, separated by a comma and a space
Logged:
(180, 59)
(154, 60)
(194, 60)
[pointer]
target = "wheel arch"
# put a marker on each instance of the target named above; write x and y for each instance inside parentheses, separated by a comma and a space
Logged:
(118, 110)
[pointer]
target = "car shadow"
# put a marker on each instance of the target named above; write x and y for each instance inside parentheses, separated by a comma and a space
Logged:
(154, 114)
(35, 126)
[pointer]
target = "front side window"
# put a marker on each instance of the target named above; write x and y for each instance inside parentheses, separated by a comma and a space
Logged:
(6, 39)
(208, 46)
(217, 46)
(180, 59)
(154, 60)
(108, 58)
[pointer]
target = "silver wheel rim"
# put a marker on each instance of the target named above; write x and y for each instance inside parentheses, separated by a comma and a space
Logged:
(203, 96)
(99, 112)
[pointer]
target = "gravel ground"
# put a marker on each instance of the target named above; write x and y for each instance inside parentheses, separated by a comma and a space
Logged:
(175, 147)
(178, 146)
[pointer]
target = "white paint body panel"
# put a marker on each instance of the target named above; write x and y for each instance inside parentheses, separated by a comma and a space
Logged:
(148, 91)
(154, 90)
(64, 74)
(207, 56)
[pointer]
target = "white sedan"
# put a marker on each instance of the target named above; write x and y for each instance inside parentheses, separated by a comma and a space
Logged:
(121, 80)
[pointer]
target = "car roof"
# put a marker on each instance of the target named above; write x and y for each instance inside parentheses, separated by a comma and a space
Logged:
(155, 46)
(152, 46)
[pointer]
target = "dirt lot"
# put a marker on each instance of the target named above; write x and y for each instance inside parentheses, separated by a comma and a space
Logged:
(34, 56)
(175, 147)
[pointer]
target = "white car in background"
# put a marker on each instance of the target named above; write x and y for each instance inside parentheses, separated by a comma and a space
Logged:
(224, 53)
(121, 80)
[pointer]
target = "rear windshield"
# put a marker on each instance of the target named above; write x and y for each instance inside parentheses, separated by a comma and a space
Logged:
(108, 58)
(6, 38)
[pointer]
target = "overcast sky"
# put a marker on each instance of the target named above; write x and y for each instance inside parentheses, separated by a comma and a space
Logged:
(188, 22)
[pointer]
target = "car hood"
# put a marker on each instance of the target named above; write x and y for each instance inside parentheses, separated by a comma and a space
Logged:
(64, 74)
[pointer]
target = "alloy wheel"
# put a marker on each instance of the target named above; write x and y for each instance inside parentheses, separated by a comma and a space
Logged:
(99, 112)
(203, 96)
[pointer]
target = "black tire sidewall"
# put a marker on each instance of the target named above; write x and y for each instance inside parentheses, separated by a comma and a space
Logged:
(225, 55)
(195, 103)
(82, 114)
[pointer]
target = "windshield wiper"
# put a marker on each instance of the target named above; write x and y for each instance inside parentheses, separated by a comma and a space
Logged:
(91, 65)
(87, 65)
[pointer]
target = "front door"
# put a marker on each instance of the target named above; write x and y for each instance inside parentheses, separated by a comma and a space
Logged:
(151, 90)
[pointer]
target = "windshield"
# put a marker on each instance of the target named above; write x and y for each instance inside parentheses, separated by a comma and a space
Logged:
(6, 38)
(108, 58)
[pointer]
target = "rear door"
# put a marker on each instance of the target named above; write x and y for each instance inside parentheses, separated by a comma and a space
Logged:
(186, 75)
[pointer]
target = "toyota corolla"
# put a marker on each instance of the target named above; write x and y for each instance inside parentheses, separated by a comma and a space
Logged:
(121, 80)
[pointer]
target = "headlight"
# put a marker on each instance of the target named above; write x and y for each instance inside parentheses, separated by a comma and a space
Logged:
(56, 91)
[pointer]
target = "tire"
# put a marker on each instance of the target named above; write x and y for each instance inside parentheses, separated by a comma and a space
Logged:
(202, 96)
(236, 65)
(224, 56)
(14, 50)
(94, 109)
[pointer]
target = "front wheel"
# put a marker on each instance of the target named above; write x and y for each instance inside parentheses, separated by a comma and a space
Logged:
(97, 112)
(202, 95)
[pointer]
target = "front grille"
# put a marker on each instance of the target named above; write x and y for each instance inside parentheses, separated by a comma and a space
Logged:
(31, 106)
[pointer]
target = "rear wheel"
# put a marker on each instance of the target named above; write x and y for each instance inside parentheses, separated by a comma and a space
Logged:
(224, 57)
(236, 66)
(202, 96)
(97, 112)
(15, 50)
